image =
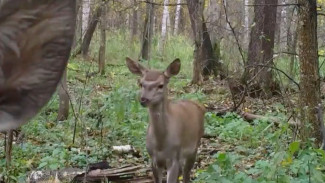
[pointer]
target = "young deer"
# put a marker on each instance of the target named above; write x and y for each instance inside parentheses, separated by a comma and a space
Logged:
(175, 128)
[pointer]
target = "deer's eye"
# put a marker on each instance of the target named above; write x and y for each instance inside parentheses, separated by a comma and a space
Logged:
(161, 86)
(140, 84)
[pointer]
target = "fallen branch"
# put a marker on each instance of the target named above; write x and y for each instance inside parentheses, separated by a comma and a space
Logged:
(127, 173)
(249, 117)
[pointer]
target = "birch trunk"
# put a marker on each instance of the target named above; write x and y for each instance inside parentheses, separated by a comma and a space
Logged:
(164, 23)
(283, 23)
(177, 16)
(85, 15)
(246, 38)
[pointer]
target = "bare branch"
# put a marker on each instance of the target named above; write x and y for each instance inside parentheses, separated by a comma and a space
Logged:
(275, 68)
(286, 52)
(292, 4)
(320, 14)
(162, 4)
(233, 31)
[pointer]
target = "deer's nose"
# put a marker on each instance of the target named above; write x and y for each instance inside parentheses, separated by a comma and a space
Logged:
(144, 101)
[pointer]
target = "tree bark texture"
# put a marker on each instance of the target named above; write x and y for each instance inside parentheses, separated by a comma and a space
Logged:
(102, 47)
(177, 17)
(195, 9)
(147, 31)
(211, 64)
(90, 31)
(309, 73)
(246, 17)
(85, 15)
(164, 24)
(78, 31)
(260, 54)
(134, 21)
(63, 112)
(292, 37)
(9, 141)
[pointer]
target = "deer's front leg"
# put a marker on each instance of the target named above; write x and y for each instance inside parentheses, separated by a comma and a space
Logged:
(157, 172)
(173, 172)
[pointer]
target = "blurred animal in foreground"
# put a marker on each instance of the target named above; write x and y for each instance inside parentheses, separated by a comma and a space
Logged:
(35, 42)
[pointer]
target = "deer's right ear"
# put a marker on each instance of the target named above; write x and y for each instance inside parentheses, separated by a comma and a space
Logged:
(135, 67)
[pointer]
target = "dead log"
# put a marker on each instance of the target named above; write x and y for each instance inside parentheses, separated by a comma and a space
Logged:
(65, 175)
(127, 173)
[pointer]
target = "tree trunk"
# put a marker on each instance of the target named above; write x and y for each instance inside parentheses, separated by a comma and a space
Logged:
(195, 9)
(134, 21)
(147, 31)
(260, 54)
(182, 21)
(9, 140)
(309, 73)
(102, 47)
(211, 58)
(85, 15)
(281, 25)
(246, 38)
(177, 17)
(292, 37)
(164, 23)
(90, 31)
(78, 33)
(63, 112)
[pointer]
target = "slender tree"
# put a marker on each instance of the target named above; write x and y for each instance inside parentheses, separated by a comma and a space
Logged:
(134, 30)
(91, 29)
(177, 17)
(164, 26)
(63, 112)
(85, 15)
(147, 31)
(102, 46)
(246, 15)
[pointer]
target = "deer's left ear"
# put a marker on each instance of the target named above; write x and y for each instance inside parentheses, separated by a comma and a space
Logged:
(135, 67)
(173, 68)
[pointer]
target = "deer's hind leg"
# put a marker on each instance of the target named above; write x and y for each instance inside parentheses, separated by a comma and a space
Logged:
(189, 163)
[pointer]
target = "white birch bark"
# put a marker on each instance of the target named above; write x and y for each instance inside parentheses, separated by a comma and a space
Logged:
(164, 23)
(177, 16)
(246, 2)
(283, 26)
(85, 15)
(226, 5)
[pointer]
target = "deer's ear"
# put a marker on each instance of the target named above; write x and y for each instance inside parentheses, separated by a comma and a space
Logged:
(173, 68)
(35, 43)
(135, 67)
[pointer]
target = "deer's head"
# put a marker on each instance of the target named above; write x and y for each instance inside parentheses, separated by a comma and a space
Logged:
(153, 83)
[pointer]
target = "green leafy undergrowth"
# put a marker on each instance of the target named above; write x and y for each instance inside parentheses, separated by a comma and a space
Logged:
(260, 152)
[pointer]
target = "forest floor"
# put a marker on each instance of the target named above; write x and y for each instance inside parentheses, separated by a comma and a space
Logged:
(105, 113)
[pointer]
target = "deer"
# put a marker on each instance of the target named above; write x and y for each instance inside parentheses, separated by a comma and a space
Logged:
(175, 127)
(35, 43)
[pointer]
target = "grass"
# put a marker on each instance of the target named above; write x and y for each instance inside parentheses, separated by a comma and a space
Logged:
(107, 113)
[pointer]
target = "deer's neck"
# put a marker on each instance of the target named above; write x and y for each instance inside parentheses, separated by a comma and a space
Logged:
(158, 119)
